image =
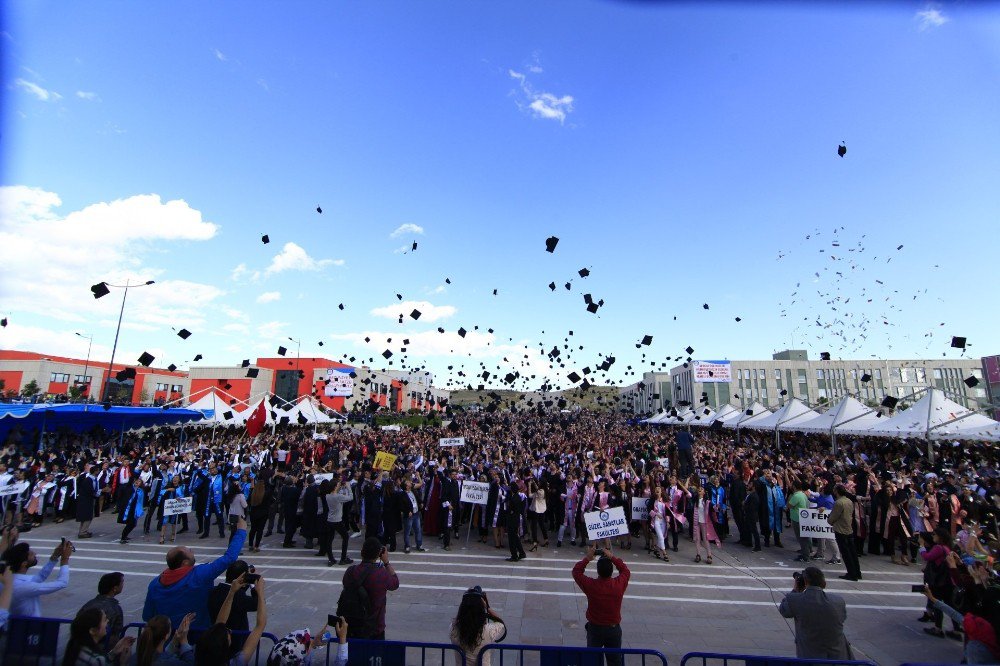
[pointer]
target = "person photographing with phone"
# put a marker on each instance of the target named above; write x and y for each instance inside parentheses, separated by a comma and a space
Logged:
(475, 626)
(819, 617)
(366, 586)
(604, 599)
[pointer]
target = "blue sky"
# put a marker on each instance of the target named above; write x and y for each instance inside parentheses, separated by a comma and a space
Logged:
(681, 153)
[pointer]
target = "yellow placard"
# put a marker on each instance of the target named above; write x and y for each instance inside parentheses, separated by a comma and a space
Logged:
(384, 461)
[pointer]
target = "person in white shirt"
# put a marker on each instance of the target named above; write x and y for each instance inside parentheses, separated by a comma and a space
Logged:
(29, 588)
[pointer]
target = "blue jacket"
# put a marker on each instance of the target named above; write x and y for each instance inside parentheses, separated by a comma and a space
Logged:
(175, 593)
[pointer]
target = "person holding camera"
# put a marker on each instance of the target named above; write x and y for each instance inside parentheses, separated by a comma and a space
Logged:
(244, 601)
(475, 626)
(604, 599)
(819, 617)
(29, 588)
(362, 601)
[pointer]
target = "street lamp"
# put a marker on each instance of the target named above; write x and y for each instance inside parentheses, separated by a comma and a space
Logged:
(99, 290)
(298, 349)
(86, 364)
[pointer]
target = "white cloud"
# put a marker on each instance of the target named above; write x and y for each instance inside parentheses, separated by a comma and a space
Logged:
(428, 311)
(540, 104)
(269, 297)
(408, 228)
(263, 84)
(220, 56)
(402, 249)
(238, 272)
(236, 328)
(293, 258)
(931, 17)
(273, 330)
(100, 242)
(88, 96)
(39, 92)
(233, 313)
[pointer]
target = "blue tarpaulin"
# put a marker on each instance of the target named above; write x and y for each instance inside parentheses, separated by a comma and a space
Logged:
(82, 418)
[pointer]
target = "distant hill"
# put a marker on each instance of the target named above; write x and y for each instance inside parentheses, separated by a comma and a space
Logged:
(595, 397)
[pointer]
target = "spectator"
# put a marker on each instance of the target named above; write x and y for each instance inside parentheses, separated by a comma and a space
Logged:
(796, 503)
(244, 602)
(6, 594)
(29, 588)
(819, 618)
(86, 634)
(377, 576)
(237, 507)
(843, 529)
(151, 650)
(215, 645)
(298, 647)
(184, 587)
(981, 645)
(109, 587)
(87, 492)
(475, 626)
(684, 451)
(604, 600)
(336, 522)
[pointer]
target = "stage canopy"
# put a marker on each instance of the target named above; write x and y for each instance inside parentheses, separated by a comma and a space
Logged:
(81, 418)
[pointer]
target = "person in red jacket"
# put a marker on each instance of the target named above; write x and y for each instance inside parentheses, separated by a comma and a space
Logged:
(604, 600)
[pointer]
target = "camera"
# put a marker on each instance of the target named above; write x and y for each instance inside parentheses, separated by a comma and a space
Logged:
(333, 620)
(251, 578)
(599, 553)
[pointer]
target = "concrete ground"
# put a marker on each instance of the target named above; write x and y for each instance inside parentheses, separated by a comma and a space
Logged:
(675, 607)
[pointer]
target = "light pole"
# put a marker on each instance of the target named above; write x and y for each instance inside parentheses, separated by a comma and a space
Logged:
(86, 364)
(298, 380)
(101, 289)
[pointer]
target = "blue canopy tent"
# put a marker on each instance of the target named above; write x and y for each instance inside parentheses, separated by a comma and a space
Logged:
(82, 418)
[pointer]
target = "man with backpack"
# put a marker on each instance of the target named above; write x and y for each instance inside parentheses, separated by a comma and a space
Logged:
(362, 601)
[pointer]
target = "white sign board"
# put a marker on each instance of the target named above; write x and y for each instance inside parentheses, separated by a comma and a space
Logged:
(452, 441)
(711, 371)
(173, 507)
(339, 383)
(813, 525)
(14, 488)
(639, 509)
(326, 476)
(475, 492)
(606, 524)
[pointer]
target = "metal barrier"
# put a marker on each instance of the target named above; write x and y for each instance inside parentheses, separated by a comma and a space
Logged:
(33, 640)
(396, 653)
(717, 659)
(558, 655)
(194, 634)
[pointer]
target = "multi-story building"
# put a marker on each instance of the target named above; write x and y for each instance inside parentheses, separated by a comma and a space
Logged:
(791, 373)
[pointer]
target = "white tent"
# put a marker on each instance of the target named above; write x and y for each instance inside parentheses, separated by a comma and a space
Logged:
(988, 432)
(934, 416)
(792, 411)
(219, 403)
(309, 411)
(658, 418)
(756, 411)
(849, 412)
(725, 414)
(703, 416)
(682, 416)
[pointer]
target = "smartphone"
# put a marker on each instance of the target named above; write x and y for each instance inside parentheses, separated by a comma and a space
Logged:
(72, 548)
(251, 578)
(919, 589)
(333, 620)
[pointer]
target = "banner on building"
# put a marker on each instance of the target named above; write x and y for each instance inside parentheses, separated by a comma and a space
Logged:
(711, 371)
(475, 492)
(452, 441)
(605, 524)
(384, 461)
(812, 524)
(177, 506)
(339, 383)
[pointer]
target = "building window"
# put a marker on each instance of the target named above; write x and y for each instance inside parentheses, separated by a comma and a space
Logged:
(819, 374)
(762, 374)
(802, 376)
(822, 393)
(900, 392)
(80, 379)
(977, 373)
(904, 374)
(854, 374)
(160, 388)
(175, 388)
(777, 373)
(58, 377)
(937, 373)
(878, 373)
(919, 375)
(763, 394)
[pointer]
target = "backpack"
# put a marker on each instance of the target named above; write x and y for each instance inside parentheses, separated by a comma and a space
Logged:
(354, 605)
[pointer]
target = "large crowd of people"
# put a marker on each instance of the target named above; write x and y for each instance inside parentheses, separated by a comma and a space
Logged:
(884, 498)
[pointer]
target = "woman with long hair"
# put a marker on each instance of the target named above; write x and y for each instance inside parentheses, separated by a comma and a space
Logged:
(237, 506)
(571, 499)
(261, 499)
(151, 650)
(659, 510)
(173, 490)
(536, 511)
(703, 525)
(86, 633)
(133, 509)
(475, 626)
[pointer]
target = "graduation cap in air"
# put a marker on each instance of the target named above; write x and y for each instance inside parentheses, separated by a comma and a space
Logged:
(3, 322)
(440, 329)
(550, 243)
(183, 334)
(146, 359)
(281, 351)
(689, 349)
(301, 418)
(958, 342)
(462, 332)
(647, 340)
(889, 401)
(387, 354)
(705, 305)
(415, 314)
(824, 356)
(171, 367)
(866, 377)
(252, 373)
(841, 150)
(494, 292)
(227, 415)
(100, 289)
(412, 249)
(246, 363)
(265, 239)
(320, 343)
(126, 374)
(971, 381)
(738, 320)
(340, 307)
(583, 272)
(319, 209)
(783, 392)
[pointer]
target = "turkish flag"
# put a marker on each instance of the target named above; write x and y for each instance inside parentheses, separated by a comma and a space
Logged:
(257, 420)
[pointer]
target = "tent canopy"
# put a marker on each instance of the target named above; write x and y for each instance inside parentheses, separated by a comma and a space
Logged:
(849, 412)
(756, 411)
(84, 417)
(794, 411)
(933, 416)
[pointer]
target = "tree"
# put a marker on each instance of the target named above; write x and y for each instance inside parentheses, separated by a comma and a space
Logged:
(143, 396)
(76, 391)
(30, 389)
(3, 385)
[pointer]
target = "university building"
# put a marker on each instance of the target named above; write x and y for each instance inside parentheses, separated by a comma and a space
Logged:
(815, 382)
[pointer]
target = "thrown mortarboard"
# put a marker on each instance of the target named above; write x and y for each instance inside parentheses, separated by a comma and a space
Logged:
(971, 381)
(957, 342)
(841, 150)
(281, 350)
(265, 239)
(866, 377)
(592, 308)
(171, 367)
(387, 354)
(100, 289)
(494, 292)
(126, 374)
(146, 359)
(783, 392)
(689, 349)
(647, 340)
(462, 332)
(889, 401)
(415, 314)
(440, 329)
(550, 243)
(824, 356)
(583, 272)
(183, 334)
(227, 415)
(301, 418)
(705, 305)
(198, 357)
(399, 297)
(3, 322)
(340, 307)
(552, 286)
(412, 249)
(320, 343)
(319, 209)
(252, 373)
(738, 320)
(227, 386)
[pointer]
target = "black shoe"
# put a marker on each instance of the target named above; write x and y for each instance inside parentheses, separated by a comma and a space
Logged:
(558, 544)
(801, 559)
(280, 531)
(203, 536)
(925, 618)
(331, 563)
(288, 545)
(267, 534)
(850, 578)
(756, 550)
(407, 550)
(319, 554)
(421, 549)
(346, 560)
(512, 559)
